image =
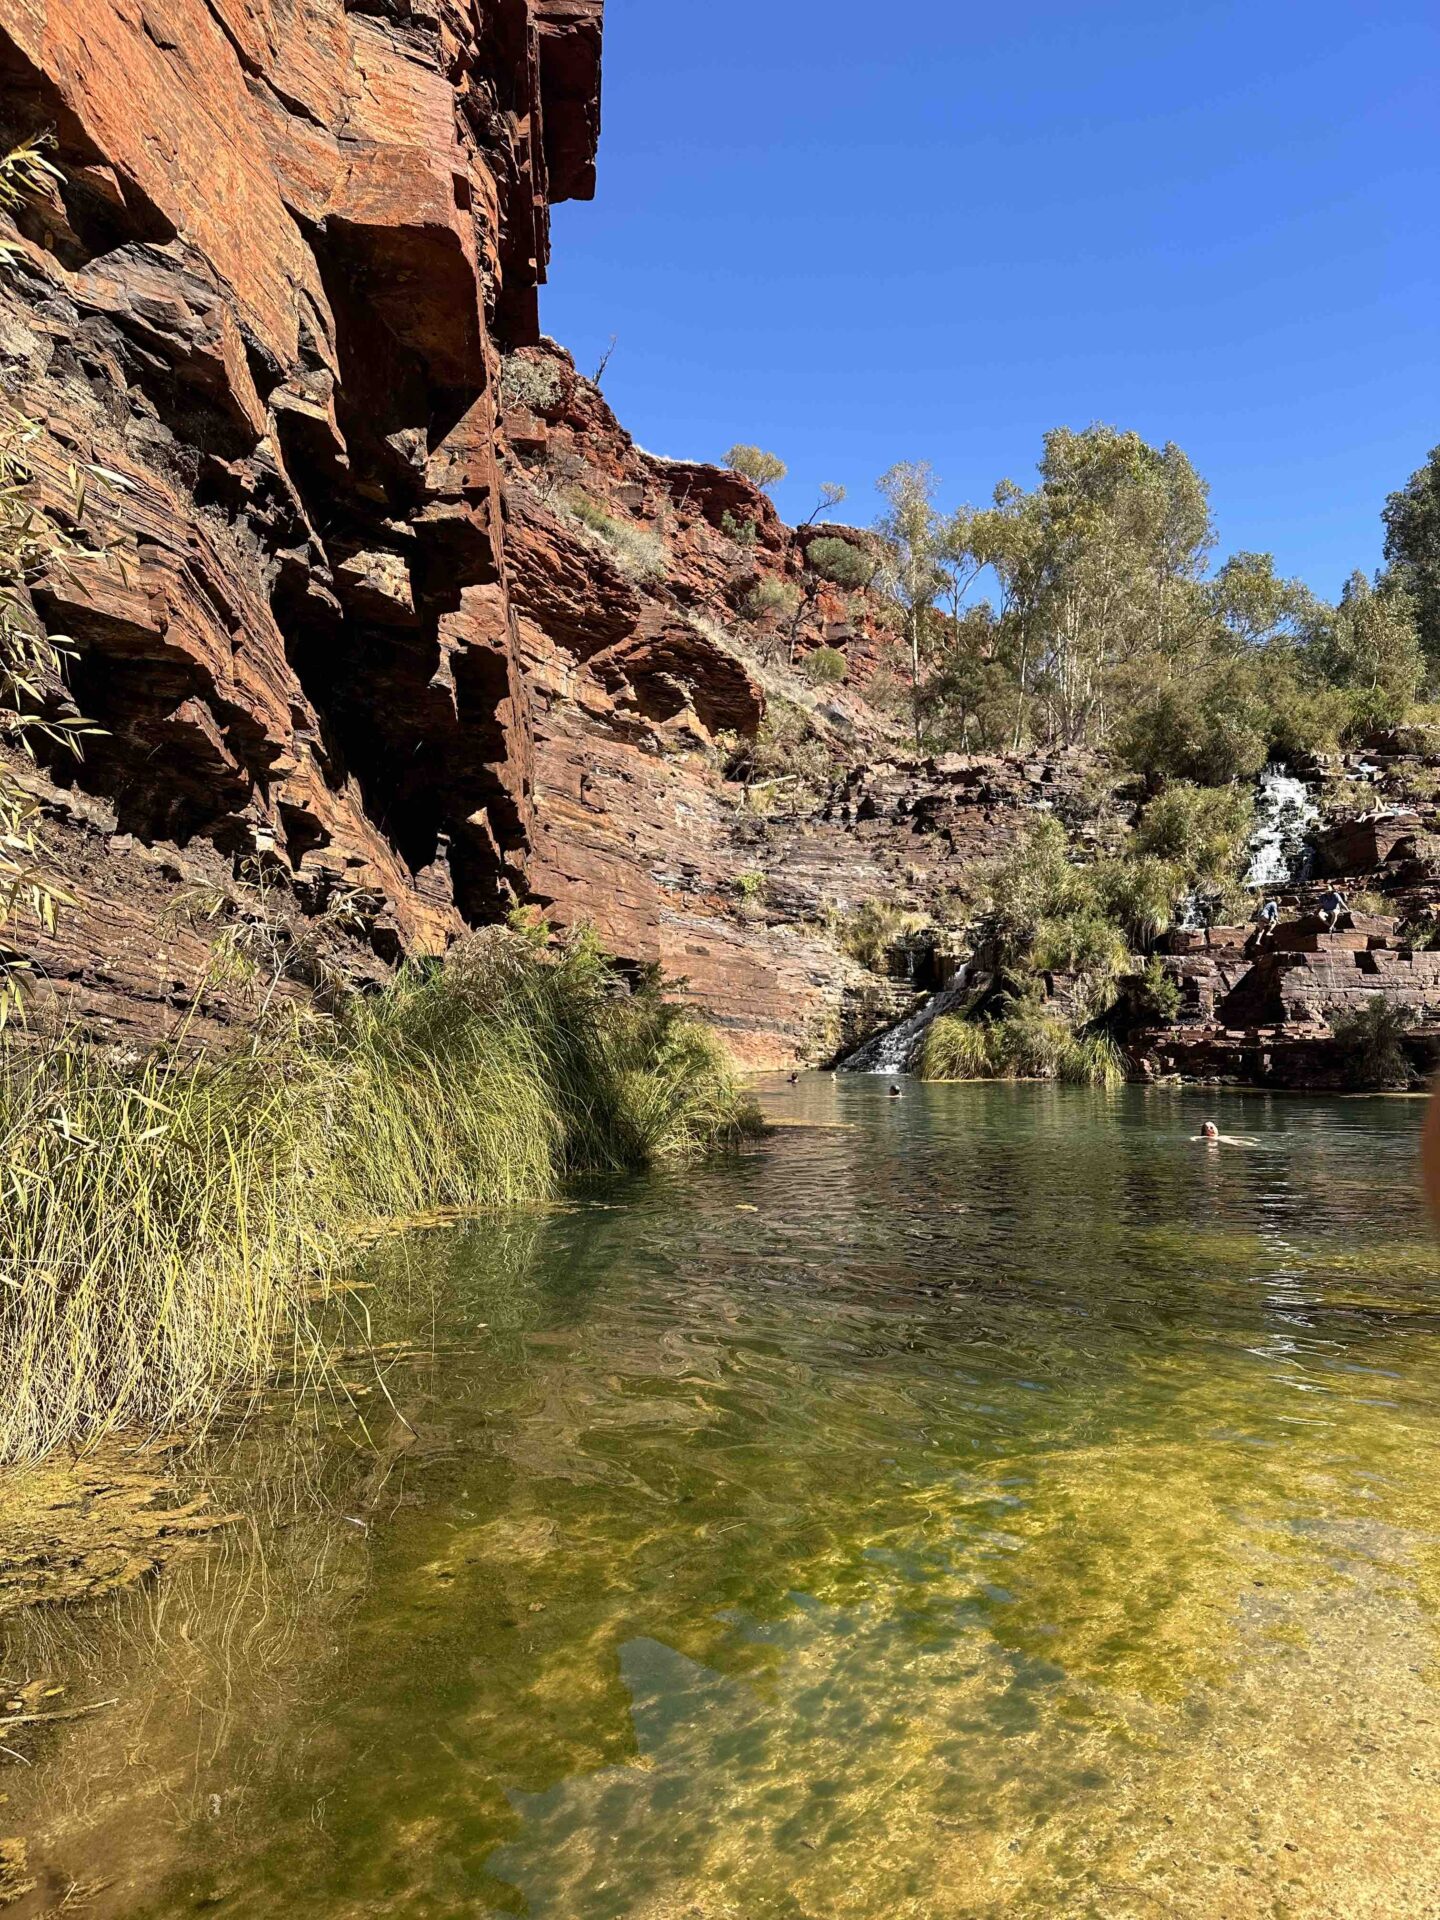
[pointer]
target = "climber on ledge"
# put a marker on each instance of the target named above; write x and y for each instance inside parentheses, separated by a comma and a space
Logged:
(1267, 918)
(1330, 906)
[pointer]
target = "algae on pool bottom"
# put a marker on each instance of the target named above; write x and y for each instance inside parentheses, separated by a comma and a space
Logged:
(1022, 1511)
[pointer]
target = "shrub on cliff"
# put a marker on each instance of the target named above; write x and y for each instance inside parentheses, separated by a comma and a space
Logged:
(535, 385)
(825, 667)
(871, 931)
(163, 1220)
(840, 562)
(761, 469)
(641, 554)
(787, 754)
(771, 600)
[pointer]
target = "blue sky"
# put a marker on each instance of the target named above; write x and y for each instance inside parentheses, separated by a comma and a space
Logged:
(859, 233)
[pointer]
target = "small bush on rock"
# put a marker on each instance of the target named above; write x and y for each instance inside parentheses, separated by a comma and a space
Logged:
(533, 384)
(761, 469)
(1368, 1048)
(825, 667)
(644, 556)
(840, 562)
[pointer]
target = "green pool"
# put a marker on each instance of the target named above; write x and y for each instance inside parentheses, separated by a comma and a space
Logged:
(987, 1502)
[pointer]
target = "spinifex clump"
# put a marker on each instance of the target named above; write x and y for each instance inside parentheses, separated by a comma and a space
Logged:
(162, 1220)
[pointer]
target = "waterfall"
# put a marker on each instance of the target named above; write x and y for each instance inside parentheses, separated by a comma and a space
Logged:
(892, 1051)
(1284, 812)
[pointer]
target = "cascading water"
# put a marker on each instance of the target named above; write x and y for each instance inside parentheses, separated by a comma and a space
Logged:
(1284, 813)
(894, 1050)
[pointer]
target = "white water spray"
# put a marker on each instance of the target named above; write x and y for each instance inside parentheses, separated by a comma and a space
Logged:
(894, 1050)
(1284, 813)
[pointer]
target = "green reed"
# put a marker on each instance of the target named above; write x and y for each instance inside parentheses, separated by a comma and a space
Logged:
(163, 1220)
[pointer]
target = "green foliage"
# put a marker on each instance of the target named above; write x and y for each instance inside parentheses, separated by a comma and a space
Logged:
(771, 600)
(1368, 1045)
(644, 556)
(869, 932)
(1412, 548)
(33, 543)
(1080, 938)
(1368, 646)
(789, 752)
(1035, 884)
(742, 531)
(535, 385)
(911, 533)
(1154, 995)
(761, 469)
(1045, 913)
(1031, 1042)
(163, 1220)
(1137, 892)
(1199, 831)
(825, 667)
(751, 885)
(1210, 728)
(1110, 630)
(840, 562)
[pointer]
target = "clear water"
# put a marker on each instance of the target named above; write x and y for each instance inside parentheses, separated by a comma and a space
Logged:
(987, 1502)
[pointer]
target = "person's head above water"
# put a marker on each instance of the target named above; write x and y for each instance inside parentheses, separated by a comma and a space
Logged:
(1210, 1131)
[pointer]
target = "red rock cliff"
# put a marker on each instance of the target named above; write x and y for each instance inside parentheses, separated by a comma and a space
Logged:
(292, 240)
(401, 628)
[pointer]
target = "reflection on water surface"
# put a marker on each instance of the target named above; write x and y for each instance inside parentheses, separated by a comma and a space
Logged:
(994, 1503)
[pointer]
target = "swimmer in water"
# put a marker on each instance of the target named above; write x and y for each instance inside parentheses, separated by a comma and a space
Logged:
(895, 1093)
(1213, 1137)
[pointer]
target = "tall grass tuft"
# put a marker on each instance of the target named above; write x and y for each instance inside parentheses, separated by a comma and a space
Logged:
(163, 1221)
(1028, 1043)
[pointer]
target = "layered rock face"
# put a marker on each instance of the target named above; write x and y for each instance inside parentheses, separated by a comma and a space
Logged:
(398, 628)
(1265, 1007)
(267, 303)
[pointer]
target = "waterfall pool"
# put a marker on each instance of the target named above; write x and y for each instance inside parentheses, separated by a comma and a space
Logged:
(986, 1503)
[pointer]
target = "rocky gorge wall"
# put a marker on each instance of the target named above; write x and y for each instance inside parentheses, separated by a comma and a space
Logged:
(397, 628)
(268, 300)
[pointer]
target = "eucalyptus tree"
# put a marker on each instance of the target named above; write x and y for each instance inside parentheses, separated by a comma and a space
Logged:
(1099, 570)
(1412, 548)
(912, 532)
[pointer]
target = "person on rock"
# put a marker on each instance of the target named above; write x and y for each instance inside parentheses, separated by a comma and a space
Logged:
(1266, 921)
(1330, 906)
